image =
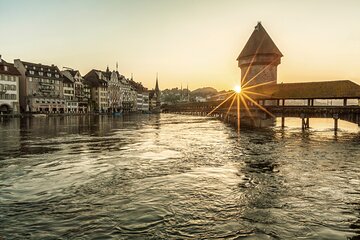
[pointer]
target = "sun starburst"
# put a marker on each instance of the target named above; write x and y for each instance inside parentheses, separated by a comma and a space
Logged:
(243, 93)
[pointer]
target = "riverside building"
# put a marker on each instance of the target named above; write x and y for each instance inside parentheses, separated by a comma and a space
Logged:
(41, 88)
(99, 96)
(9, 88)
(81, 91)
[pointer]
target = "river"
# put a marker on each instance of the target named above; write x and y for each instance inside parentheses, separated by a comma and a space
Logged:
(177, 177)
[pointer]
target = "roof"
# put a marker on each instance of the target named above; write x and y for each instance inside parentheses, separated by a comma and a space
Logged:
(34, 69)
(93, 78)
(309, 90)
(259, 43)
(11, 69)
(68, 76)
(138, 87)
(73, 72)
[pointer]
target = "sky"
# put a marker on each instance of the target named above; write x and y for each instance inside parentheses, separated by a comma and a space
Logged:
(187, 42)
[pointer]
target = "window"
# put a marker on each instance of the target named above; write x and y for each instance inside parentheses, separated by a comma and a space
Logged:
(13, 96)
(30, 79)
(48, 74)
(41, 73)
(6, 68)
(57, 75)
(31, 72)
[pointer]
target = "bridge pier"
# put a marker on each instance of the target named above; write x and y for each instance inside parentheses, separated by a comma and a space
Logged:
(305, 122)
(282, 122)
(336, 125)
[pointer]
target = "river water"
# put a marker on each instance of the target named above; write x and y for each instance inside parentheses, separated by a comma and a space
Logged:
(177, 177)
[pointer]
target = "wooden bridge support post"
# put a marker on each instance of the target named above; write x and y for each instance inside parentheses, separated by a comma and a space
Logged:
(307, 123)
(303, 123)
(282, 122)
(336, 118)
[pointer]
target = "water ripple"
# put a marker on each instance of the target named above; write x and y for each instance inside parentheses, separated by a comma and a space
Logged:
(176, 177)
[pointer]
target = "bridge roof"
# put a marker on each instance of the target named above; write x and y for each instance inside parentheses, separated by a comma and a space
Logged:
(310, 90)
(259, 43)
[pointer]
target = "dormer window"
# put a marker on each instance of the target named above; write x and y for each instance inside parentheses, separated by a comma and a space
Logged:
(26, 66)
(6, 68)
(34, 67)
(48, 69)
(41, 69)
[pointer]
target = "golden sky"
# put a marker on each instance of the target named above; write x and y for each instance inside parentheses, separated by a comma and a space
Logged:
(187, 42)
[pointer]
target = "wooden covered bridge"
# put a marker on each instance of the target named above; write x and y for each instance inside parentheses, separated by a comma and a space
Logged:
(301, 100)
(262, 97)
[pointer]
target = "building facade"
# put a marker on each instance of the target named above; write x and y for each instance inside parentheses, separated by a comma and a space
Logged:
(99, 95)
(141, 101)
(9, 88)
(81, 91)
(41, 88)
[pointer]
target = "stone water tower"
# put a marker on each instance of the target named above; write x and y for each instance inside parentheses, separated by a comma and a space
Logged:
(259, 59)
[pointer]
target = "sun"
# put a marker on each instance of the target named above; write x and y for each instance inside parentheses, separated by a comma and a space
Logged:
(237, 88)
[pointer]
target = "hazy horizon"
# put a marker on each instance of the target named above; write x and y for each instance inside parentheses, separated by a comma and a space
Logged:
(194, 43)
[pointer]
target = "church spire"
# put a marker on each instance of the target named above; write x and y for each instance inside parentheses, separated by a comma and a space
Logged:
(157, 83)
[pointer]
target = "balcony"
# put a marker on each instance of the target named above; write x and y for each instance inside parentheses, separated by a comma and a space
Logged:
(45, 83)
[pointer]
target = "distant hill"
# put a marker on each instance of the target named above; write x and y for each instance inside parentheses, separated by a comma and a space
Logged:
(205, 91)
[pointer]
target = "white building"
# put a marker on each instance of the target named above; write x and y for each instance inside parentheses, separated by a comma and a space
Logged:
(9, 88)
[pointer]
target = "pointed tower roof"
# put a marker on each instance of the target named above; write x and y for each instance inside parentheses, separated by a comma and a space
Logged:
(157, 84)
(259, 43)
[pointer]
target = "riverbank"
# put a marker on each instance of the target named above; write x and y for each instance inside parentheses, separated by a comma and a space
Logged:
(21, 115)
